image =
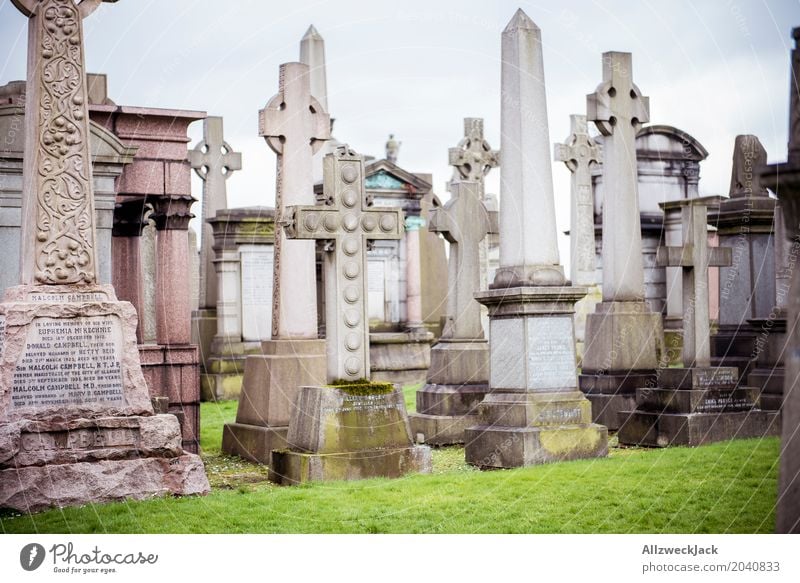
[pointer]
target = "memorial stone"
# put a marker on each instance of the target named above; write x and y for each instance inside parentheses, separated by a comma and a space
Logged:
(78, 424)
(534, 412)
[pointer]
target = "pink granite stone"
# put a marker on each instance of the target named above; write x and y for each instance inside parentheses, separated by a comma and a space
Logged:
(173, 292)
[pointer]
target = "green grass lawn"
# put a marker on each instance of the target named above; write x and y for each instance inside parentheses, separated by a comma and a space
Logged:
(727, 487)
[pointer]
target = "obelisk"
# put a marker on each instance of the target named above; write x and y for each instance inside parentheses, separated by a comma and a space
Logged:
(534, 412)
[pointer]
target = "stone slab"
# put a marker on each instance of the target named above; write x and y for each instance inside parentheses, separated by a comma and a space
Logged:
(489, 447)
(455, 362)
(621, 336)
(450, 400)
(252, 442)
(402, 358)
(34, 488)
(291, 467)
(711, 400)
(692, 429)
(438, 430)
(606, 409)
(698, 378)
(614, 383)
(535, 409)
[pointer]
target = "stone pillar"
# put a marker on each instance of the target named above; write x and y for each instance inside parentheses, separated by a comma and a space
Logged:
(129, 222)
(413, 281)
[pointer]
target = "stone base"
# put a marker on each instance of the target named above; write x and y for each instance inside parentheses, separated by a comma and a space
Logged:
(252, 442)
(400, 357)
(225, 369)
(271, 383)
(34, 488)
(673, 348)
(520, 429)
(665, 429)
(291, 467)
(734, 346)
(611, 393)
(204, 328)
(622, 336)
(606, 409)
(441, 430)
(770, 382)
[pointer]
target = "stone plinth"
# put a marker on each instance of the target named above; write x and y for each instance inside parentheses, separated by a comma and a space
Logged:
(271, 384)
(78, 424)
(534, 413)
(400, 357)
(338, 435)
(695, 406)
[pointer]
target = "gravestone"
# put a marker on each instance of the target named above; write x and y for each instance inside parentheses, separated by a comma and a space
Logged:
(359, 430)
(580, 153)
(78, 424)
(784, 179)
(458, 378)
(621, 334)
(214, 161)
(698, 403)
(294, 126)
(534, 412)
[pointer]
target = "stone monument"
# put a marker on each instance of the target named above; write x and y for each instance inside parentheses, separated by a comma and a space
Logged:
(784, 179)
(77, 422)
(214, 161)
(295, 126)
(358, 430)
(621, 334)
(458, 379)
(580, 153)
(534, 412)
(696, 404)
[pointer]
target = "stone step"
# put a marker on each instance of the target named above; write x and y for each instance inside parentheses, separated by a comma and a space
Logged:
(697, 400)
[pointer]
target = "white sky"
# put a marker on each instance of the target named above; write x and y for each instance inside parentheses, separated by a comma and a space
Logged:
(416, 68)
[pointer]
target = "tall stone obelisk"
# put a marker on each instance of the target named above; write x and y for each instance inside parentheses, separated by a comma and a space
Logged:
(76, 417)
(621, 335)
(535, 412)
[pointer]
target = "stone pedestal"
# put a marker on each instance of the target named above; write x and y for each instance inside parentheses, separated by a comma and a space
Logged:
(620, 356)
(77, 422)
(534, 413)
(400, 357)
(272, 381)
(695, 406)
(337, 434)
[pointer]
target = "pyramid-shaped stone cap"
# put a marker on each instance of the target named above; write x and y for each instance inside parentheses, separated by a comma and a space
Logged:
(520, 20)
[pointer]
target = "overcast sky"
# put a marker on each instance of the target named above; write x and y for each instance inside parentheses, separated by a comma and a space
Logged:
(416, 68)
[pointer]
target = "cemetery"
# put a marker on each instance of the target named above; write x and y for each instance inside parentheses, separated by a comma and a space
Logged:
(359, 353)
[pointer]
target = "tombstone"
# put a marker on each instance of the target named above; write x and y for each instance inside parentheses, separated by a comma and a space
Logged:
(214, 161)
(745, 223)
(534, 412)
(621, 334)
(294, 126)
(359, 430)
(458, 378)
(696, 404)
(244, 242)
(580, 153)
(784, 179)
(78, 423)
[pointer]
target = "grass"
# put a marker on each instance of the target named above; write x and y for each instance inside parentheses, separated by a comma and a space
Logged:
(728, 487)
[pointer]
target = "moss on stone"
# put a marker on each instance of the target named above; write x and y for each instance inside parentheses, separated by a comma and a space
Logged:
(362, 387)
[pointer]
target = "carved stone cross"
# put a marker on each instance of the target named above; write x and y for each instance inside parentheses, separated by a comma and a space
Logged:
(58, 220)
(295, 126)
(346, 220)
(695, 257)
(473, 157)
(464, 222)
(578, 153)
(214, 161)
(618, 108)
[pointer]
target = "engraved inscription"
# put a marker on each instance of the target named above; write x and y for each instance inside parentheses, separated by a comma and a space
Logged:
(560, 416)
(59, 298)
(70, 362)
(256, 295)
(87, 438)
(715, 377)
(371, 403)
(551, 353)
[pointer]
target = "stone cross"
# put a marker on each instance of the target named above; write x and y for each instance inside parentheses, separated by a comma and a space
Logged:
(578, 153)
(295, 126)
(473, 157)
(464, 222)
(695, 257)
(346, 221)
(58, 224)
(618, 109)
(528, 242)
(214, 161)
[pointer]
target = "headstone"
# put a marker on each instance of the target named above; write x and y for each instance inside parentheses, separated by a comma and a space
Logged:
(696, 404)
(214, 161)
(78, 423)
(294, 126)
(346, 433)
(784, 179)
(534, 412)
(458, 378)
(621, 335)
(745, 223)
(580, 153)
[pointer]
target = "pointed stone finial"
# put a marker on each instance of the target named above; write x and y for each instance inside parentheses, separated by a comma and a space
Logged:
(312, 53)
(520, 20)
(312, 33)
